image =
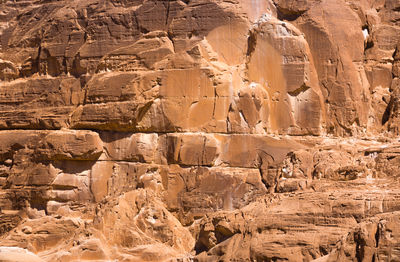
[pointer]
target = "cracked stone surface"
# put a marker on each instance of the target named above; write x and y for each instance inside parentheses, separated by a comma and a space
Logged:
(207, 130)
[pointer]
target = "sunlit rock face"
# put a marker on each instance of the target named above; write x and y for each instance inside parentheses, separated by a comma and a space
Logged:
(209, 130)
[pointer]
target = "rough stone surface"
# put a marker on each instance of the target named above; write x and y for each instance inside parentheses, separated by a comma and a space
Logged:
(209, 130)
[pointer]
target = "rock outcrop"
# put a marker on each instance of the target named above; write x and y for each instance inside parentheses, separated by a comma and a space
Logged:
(210, 130)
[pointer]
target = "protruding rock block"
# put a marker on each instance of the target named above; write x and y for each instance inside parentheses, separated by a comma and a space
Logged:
(138, 147)
(190, 150)
(195, 192)
(41, 103)
(281, 62)
(71, 145)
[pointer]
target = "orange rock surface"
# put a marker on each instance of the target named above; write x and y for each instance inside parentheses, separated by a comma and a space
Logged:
(207, 130)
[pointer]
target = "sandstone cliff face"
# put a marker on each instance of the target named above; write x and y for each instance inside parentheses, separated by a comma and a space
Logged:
(209, 130)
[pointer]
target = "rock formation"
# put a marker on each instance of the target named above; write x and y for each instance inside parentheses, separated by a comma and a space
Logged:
(207, 130)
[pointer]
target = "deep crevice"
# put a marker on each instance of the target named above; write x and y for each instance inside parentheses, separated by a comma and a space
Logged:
(284, 14)
(299, 90)
(251, 43)
(386, 114)
(360, 246)
(377, 235)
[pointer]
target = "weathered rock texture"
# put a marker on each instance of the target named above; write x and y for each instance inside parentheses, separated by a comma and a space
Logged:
(207, 130)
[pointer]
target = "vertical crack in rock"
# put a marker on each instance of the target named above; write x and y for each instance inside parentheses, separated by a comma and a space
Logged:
(378, 233)
(360, 245)
(251, 43)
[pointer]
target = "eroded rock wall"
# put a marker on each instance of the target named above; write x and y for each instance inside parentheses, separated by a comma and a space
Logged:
(210, 130)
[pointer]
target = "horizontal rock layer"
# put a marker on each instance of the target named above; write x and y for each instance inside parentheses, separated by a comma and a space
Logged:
(208, 130)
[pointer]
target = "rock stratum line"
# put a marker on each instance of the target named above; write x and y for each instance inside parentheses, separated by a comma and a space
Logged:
(199, 130)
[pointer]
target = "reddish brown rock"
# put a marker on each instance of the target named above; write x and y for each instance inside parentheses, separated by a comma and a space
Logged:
(39, 103)
(143, 229)
(227, 130)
